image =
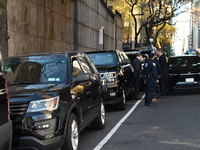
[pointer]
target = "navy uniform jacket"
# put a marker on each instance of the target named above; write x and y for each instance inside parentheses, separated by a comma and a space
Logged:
(150, 69)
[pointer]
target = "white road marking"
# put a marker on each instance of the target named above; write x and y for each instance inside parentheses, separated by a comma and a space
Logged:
(110, 134)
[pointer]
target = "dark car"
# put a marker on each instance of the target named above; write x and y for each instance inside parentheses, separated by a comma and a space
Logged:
(183, 73)
(53, 97)
(116, 74)
(5, 122)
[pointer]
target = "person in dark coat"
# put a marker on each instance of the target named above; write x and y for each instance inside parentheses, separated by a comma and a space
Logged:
(156, 61)
(163, 72)
(151, 77)
(137, 75)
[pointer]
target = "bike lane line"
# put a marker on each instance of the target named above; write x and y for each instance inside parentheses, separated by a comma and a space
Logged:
(110, 134)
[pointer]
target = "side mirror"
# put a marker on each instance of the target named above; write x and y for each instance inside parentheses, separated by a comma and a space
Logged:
(82, 77)
(125, 61)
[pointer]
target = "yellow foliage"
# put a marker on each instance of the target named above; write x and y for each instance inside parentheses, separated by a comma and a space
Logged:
(166, 34)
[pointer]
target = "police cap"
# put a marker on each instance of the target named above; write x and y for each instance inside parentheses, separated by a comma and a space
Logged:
(151, 55)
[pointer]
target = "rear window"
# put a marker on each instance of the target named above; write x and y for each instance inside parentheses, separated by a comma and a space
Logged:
(106, 59)
(188, 61)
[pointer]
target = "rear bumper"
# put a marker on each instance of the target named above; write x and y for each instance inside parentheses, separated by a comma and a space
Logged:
(32, 143)
(184, 82)
(6, 136)
(187, 85)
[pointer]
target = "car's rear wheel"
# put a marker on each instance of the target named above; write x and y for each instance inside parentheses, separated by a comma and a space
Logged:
(100, 121)
(72, 134)
(122, 104)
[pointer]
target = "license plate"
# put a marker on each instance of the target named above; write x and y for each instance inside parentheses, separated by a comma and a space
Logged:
(112, 94)
(189, 80)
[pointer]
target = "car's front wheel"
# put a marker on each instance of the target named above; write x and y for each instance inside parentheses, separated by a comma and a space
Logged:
(131, 95)
(72, 134)
(100, 121)
(122, 104)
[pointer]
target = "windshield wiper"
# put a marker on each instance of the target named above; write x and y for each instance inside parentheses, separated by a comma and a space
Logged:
(21, 83)
(101, 66)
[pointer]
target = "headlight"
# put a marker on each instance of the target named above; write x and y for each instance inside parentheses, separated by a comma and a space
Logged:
(109, 75)
(111, 79)
(42, 105)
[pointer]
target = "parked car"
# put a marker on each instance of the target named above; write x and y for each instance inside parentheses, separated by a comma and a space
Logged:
(116, 74)
(183, 73)
(5, 122)
(53, 97)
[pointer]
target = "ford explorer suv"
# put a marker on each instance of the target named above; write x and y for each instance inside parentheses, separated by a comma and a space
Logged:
(116, 74)
(183, 73)
(53, 96)
(5, 122)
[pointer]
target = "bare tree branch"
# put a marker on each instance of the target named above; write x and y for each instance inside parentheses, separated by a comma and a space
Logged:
(153, 13)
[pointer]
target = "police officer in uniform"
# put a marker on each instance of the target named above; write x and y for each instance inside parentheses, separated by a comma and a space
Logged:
(151, 77)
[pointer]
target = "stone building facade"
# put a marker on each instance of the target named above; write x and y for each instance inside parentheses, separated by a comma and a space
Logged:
(195, 27)
(36, 26)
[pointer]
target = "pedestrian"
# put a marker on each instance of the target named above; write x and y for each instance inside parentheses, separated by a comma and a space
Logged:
(137, 74)
(151, 77)
(156, 61)
(163, 72)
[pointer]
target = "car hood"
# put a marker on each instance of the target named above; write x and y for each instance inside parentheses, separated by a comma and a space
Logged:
(33, 91)
(184, 70)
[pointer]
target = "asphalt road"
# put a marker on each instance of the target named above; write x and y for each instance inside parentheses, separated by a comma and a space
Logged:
(173, 123)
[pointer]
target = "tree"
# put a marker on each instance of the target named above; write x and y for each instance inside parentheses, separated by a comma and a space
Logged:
(124, 9)
(165, 35)
(153, 13)
(3, 28)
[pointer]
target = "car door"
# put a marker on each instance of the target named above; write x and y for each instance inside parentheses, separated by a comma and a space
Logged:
(127, 71)
(92, 85)
(81, 89)
(5, 122)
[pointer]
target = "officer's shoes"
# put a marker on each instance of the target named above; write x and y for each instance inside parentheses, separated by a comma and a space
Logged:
(162, 97)
(149, 105)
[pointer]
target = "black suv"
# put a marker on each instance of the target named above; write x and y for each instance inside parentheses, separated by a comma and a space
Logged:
(116, 74)
(5, 122)
(183, 73)
(53, 97)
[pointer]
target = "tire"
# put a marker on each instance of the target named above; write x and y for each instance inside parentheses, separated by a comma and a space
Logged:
(72, 134)
(131, 95)
(169, 90)
(100, 121)
(122, 104)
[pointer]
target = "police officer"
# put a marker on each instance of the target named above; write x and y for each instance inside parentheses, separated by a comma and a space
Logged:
(151, 77)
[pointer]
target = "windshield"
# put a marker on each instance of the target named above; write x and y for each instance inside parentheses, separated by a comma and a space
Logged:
(35, 69)
(188, 61)
(106, 59)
